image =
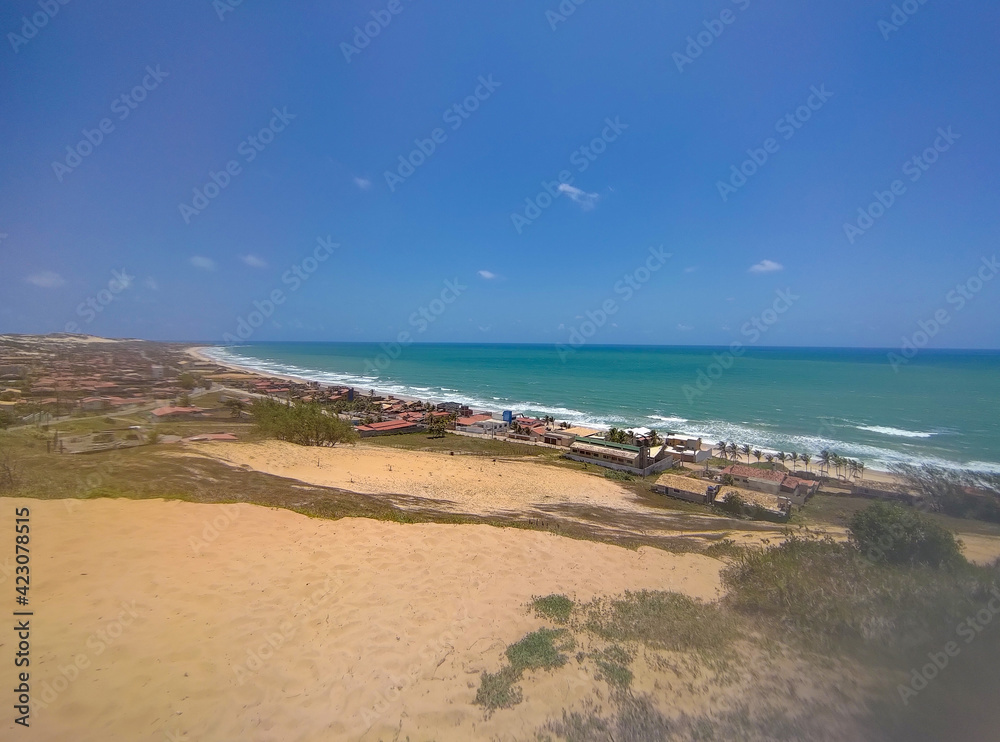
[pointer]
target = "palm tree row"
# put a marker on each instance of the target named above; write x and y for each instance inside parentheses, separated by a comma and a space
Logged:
(846, 467)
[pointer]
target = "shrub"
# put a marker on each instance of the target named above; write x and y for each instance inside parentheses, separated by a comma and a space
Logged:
(554, 607)
(828, 592)
(662, 620)
(892, 534)
(306, 424)
(733, 504)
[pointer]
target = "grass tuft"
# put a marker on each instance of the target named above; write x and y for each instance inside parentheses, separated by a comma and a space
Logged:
(554, 607)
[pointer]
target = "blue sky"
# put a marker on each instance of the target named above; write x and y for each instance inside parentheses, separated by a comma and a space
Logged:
(553, 80)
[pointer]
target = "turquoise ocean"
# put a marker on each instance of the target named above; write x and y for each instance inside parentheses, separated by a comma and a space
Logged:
(941, 407)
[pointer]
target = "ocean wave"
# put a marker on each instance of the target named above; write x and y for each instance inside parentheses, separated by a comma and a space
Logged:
(896, 432)
(759, 434)
(671, 420)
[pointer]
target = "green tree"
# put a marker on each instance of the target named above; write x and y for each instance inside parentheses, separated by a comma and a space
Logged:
(895, 535)
(306, 424)
(186, 381)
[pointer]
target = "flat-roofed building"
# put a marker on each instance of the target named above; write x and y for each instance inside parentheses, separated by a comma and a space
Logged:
(637, 460)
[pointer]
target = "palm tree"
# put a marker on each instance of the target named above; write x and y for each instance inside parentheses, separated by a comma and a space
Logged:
(769, 458)
(654, 439)
(861, 468)
(793, 457)
(782, 456)
(824, 460)
(852, 465)
(746, 451)
(806, 458)
(758, 454)
(721, 445)
(733, 450)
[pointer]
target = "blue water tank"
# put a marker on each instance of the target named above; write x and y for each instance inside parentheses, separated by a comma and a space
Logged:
(508, 416)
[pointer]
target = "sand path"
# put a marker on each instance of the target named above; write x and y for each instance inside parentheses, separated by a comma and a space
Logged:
(269, 625)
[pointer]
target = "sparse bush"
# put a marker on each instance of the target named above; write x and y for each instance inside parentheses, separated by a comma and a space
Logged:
(553, 607)
(827, 592)
(618, 476)
(659, 619)
(540, 650)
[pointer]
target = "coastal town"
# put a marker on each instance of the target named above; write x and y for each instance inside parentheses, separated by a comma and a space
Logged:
(49, 381)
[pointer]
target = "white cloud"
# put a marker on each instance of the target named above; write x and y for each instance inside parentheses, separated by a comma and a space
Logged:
(586, 200)
(685, 328)
(46, 280)
(151, 284)
(254, 262)
(766, 266)
(691, 269)
(204, 263)
(363, 183)
(488, 275)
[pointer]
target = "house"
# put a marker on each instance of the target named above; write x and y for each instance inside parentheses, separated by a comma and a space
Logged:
(772, 481)
(94, 404)
(176, 413)
(388, 427)
(638, 460)
(481, 424)
(558, 438)
(686, 488)
(687, 449)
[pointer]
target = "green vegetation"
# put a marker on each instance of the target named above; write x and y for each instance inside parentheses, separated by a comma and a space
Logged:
(540, 650)
(618, 476)
(960, 494)
(461, 444)
(554, 607)
(306, 424)
(613, 666)
(901, 536)
(662, 620)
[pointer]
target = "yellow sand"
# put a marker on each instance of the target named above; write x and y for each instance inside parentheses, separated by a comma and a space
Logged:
(474, 484)
(379, 628)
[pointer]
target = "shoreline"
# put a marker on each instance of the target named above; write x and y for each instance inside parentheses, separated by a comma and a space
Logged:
(871, 473)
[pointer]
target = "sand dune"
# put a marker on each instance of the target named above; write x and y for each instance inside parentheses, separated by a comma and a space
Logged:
(471, 484)
(209, 622)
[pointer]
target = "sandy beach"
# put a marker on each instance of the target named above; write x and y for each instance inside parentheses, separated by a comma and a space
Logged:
(174, 621)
